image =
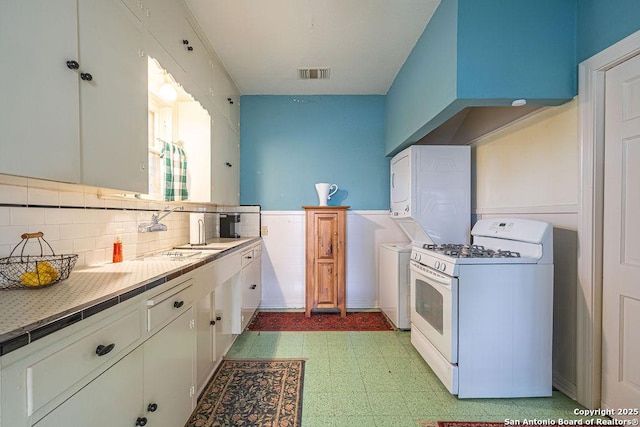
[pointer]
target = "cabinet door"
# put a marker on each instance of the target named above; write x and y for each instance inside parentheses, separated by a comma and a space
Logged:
(168, 373)
(205, 338)
(326, 271)
(112, 399)
(114, 101)
(166, 24)
(225, 304)
(39, 124)
(251, 289)
(225, 162)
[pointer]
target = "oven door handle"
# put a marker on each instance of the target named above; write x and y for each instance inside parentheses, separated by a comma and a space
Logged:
(433, 275)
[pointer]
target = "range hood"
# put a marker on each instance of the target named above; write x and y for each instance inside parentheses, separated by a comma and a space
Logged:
(474, 61)
(472, 123)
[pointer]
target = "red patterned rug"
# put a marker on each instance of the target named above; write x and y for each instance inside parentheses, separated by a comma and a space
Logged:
(296, 321)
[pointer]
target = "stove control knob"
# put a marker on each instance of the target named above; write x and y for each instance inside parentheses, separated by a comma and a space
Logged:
(443, 267)
(437, 265)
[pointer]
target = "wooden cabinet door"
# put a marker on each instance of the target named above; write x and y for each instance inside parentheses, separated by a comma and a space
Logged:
(112, 399)
(325, 262)
(168, 373)
(39, 124)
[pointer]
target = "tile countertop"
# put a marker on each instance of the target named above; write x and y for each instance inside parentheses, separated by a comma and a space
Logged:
(29, 314)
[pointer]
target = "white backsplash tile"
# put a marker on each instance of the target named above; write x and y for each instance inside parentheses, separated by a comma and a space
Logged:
(88, 222)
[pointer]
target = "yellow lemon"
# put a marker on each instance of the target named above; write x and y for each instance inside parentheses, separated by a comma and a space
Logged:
(32, 278)
(45, 267)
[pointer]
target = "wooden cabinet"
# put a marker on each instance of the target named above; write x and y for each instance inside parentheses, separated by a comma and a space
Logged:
(75, 92)
(325, 257)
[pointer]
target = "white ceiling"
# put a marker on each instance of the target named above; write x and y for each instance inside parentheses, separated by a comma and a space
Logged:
(262, 43)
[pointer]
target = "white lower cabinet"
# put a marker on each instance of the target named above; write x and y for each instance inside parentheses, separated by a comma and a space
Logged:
(153, 385)
(206, 356)
(251, 284)
(169, 391)
(112, 399)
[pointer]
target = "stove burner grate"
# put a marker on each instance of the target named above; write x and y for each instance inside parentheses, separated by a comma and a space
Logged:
(470, 251)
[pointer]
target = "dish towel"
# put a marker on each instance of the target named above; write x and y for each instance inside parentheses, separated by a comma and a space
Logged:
(175, 172)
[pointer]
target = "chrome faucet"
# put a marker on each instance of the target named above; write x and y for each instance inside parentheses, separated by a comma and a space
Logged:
(155, 224)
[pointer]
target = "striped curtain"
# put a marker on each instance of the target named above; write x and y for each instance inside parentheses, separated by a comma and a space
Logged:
(175, 172)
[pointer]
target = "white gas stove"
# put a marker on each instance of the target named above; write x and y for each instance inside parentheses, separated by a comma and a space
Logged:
(482, 314)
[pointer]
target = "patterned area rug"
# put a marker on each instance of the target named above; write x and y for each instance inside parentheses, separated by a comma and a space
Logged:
(460, 424)
(296, 321)
(246, 392)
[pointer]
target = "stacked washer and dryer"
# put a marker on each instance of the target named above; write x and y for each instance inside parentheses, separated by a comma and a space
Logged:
(431, 202)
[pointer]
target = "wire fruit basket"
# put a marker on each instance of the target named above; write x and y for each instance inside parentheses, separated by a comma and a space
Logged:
(34, 271)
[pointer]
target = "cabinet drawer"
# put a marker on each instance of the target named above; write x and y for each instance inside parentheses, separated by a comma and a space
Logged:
(51, 376)
(247, 257)
(168, 305)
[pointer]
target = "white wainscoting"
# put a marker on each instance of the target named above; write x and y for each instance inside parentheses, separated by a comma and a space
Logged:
(283, 269)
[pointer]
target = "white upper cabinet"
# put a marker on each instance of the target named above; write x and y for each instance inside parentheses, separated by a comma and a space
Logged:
(114, 101)
(225, 162)
(74, 92)
(39, 124)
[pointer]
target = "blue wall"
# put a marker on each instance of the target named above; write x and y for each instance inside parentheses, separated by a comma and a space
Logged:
(522, 49)
(429, 73)
(602, 23)
(288, 143)
(483, 53)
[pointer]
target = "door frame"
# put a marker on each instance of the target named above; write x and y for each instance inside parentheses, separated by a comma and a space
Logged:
(591, 111)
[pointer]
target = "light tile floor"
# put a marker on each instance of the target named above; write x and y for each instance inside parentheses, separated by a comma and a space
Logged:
(378, 379)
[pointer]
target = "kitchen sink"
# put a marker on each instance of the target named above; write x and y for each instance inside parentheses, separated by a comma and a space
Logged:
(174, 255)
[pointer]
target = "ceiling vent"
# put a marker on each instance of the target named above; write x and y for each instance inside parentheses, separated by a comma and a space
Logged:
(314, 73)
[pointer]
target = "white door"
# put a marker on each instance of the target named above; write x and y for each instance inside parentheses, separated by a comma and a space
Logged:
(621, 248)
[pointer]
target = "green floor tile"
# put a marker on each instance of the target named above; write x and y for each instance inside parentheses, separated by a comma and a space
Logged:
(388, 403)
(317, 404)
(386, 421)
(378, 379)
(350, 404)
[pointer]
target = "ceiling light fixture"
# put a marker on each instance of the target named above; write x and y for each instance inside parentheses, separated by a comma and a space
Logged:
(167, 92)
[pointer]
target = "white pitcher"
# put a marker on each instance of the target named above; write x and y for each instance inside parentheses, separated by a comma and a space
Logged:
(325, 191)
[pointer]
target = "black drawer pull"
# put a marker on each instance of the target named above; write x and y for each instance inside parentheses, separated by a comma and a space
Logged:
(141, 421)
(101, 350)
(212, 323)
(152, 407)
(178, 304)
(253, 286)
(73, 65)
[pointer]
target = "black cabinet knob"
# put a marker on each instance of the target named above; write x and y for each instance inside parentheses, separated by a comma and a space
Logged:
(73, 65)
(230, 100)
(152, 407)
(86, 77)
(190, 48)
(185, 42)
(141, 421)
(213, 322)
(178, 304)
(218, 318)
(101, 350)
(253, 287)
(228, 164)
